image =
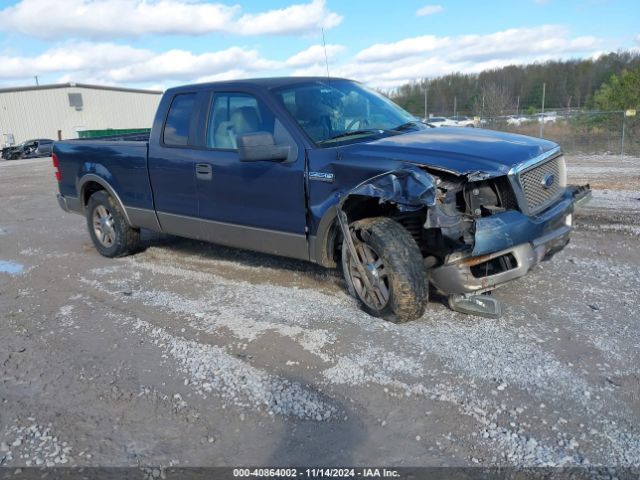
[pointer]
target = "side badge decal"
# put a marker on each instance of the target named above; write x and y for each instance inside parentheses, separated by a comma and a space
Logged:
(321, 176)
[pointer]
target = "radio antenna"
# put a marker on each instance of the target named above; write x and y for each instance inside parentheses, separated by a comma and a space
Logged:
(326, 59)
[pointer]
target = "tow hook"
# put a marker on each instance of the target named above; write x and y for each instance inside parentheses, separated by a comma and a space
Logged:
(581, 195)
(480, 305)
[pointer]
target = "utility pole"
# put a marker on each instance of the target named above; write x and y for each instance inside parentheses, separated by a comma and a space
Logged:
(518, 107)
(426, 96)
(544, 88)
(36, 77)
(455, 106)
(482, 109)
(624, 117)
(631, 112)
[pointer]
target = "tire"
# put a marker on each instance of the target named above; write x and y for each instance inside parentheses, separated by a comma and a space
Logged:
(395, 261)
(108, 228)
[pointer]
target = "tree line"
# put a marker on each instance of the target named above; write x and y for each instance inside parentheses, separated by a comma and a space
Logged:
(518, 89)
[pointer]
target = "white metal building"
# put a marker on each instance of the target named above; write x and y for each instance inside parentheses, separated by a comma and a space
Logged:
(62, 110)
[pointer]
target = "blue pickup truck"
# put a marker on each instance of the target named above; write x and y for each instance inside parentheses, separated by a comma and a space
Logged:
(328, 171)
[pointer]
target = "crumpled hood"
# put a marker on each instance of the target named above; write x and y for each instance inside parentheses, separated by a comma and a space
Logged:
(458, 150)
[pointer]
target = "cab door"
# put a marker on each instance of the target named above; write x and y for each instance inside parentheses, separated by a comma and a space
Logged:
(172, 168)
(258, 205)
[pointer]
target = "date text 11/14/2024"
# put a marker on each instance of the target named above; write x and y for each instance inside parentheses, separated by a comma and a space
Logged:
(316, 473)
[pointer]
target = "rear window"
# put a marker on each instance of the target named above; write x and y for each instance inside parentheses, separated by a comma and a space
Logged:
(176, 129)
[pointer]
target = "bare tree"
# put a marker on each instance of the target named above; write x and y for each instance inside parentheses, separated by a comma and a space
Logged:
(497, 100)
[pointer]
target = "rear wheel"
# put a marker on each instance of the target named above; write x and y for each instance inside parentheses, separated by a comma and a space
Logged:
(388, 277)
(111, 234)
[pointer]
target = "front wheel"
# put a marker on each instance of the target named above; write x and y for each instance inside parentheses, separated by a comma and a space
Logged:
(390, 281)
(111, 234)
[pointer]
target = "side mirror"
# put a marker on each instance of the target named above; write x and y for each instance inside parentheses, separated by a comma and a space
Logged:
(260, 146)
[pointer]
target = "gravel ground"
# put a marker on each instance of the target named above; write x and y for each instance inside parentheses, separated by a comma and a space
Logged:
(192, 354)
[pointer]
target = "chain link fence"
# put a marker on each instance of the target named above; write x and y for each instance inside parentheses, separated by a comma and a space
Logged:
(612, 133)
(579, 132)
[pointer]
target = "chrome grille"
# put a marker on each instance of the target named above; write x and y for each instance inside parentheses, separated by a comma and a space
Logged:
(536, 194)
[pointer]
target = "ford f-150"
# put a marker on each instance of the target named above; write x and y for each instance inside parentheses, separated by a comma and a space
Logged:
(328, 171)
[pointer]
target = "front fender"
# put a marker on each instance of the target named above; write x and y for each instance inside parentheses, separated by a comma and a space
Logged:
(408, 188)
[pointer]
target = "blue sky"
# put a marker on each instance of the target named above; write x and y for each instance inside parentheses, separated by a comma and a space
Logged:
(160, 43)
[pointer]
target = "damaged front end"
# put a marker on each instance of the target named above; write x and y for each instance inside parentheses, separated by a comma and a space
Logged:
(479, 231)
(531, 222)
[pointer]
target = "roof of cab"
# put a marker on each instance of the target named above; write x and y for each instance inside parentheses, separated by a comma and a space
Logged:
(267, 83)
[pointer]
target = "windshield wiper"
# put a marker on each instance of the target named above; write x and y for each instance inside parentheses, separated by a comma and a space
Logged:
(352, 133)
(412, 123)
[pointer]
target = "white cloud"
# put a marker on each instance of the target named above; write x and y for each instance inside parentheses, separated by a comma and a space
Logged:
(293, 19)
(382, 65)
(133, 18)
(313, 55)
(429, 10)
(77, 57)
(108, 63)
(403, 48)
(184, 65)
(391, 64)
(514, 42)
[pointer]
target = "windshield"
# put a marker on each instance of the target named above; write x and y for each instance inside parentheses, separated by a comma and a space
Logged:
(332, 111)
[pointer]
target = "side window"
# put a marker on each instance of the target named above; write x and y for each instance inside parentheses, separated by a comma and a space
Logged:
(234, 114)
(176, 130)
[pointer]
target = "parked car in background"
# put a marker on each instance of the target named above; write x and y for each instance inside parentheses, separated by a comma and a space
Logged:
(40, 147)
(549, 117)
(7, 151)
(515, 120)
(441, 122)
(458, 121)
(463, 121)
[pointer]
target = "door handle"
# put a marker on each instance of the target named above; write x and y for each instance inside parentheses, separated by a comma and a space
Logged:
(203, 171)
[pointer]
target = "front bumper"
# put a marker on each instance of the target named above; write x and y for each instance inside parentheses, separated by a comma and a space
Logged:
(507, 245)
(462, 277)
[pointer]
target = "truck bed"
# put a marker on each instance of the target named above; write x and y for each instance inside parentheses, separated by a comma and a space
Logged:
(121, 161)
(131, 137)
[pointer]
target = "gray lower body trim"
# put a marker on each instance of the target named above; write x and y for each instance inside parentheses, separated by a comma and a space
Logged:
(313, 247)
(283, 244)
(138, 217)
(143, 218)
(321, 244)
(69, 204)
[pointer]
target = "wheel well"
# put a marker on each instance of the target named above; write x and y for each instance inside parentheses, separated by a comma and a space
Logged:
(89, 189)
(93, 185)
(358, 207)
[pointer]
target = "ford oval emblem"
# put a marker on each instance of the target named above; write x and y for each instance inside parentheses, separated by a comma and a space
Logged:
(548, 180)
